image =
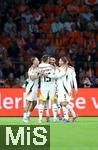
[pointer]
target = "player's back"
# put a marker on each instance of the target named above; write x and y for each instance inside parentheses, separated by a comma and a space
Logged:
(48, 69)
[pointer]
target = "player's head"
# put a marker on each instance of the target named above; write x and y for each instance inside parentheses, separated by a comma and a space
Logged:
(35, 61)
(45, 59)
(63, 61)
(52, 60)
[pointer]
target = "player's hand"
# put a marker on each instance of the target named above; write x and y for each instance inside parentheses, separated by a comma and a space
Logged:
(40, 73)
(45, 74)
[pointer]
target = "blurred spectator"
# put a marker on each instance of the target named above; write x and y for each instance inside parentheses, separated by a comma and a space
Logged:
(13, 32)
(38, 16)
(5, 40)
(34, 28)
(87, 83)
(50, 50)
(56, 25)
(7, 68)
(1, 79)
(22, 5)
(81, 23)
(65, 17)
(9, 25)
(79, 59)
(13, 51)
(68, 25)
(24, 29)
(80, 78)
(27, 16)
(87, 14)
(91, 2)
(92, 24)
(11, 81)
(73, 51)
(58, 8)
(21, 71)
(20, 40)
(73, 8)
(3, 53)
(95, 11)
(96, 82)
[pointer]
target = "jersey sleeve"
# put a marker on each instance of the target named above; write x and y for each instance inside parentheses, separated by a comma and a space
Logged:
(32, 74)
(74, 80)
(57, 74)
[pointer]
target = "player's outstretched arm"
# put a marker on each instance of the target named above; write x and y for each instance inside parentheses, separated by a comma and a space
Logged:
(57, 74)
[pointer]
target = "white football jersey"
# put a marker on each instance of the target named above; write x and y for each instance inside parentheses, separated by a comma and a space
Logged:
(33, 73)
(49, 69)
(70, 80)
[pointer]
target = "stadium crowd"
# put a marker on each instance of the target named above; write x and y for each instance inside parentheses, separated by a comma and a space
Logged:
(54, 27)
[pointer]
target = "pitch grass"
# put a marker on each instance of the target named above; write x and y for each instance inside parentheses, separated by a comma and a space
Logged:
(82, 135)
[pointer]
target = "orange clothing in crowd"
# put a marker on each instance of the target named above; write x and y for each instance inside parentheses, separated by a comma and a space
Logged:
(81, 9)
(96, 71)
(74, 34)
(47, 9)
(87, 34)
(50, 37)
(56, 43)
(61, 52)
(50, 19)
(45, 27)
(92, 1)
(63, 40)
(92, 43)
(96, 37)
(23, 7)
(58, 10)
(6, 41)
(66, 2)
(81, 41)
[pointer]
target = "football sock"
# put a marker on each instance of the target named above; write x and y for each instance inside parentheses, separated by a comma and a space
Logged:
(71, 110)
(54, 109)
(65, 111)
(25, 115)
(28, 114)
(41, 108)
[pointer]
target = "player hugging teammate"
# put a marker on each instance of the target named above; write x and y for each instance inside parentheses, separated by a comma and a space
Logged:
(56, 84)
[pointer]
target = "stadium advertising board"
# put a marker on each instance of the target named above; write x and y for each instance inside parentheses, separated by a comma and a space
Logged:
(11, 102)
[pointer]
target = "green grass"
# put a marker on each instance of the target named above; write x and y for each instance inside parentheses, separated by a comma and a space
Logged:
(82, 135)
